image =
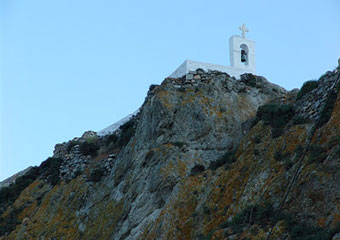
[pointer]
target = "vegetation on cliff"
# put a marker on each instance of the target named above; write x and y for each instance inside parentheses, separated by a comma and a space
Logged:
(209, 158)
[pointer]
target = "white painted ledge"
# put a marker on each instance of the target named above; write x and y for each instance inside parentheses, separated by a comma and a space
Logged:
(189, 65)
(112, 128)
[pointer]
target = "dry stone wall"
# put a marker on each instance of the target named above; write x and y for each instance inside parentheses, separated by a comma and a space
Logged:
(311, 104)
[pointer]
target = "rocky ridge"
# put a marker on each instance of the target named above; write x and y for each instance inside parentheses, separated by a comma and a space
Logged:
(199, 161)
(11, 180)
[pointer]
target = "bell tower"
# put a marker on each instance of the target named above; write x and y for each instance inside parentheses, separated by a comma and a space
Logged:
(242, 59)
(242, 52)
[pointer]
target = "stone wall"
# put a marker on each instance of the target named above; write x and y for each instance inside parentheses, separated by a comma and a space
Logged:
(200, 76)
(312, 103)
(74, 162)
(189, 65)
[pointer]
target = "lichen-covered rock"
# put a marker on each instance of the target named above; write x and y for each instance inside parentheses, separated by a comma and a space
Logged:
(192, 165)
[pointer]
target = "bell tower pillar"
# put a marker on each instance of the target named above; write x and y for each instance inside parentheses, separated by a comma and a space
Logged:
(242, 52)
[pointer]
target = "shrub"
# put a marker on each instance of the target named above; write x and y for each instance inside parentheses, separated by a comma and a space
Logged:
(336, 229)
(77, 173)
(208, 236)
(228, 158)
(299, 151)
(327, 110)
(50, 165)
(299, 120)
(335, 140)
(181, 89)
(127, 132)
(197, 169)
(112, 138)
(50, 170)
(288, 164)
(8, 224)
(152, 87)
(278, 156)
(257, 139)
(285, 158)
(6, 195)
(276, 115)
(306, 88)
(317, 154)
(277, 132)
(178, 144)
(9, 194)
(249, 80)
(266, 215)
(256, 152)
(337, 152)
(253, 214)
(88, 148)
(97, 174)
(70, 145)
(24, 181)
(302, 231)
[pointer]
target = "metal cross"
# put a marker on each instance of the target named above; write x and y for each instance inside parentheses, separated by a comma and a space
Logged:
(244, 30)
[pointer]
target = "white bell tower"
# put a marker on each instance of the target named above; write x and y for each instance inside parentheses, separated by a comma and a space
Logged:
(242, 59)
(242, 52)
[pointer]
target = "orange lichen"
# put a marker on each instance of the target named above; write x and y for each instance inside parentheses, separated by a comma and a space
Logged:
(51, 218)
(322, 222)
(331, 128)
(164, 98)
(177, 168)
(199, 204)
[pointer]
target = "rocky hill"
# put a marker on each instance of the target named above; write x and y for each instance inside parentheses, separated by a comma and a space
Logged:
(206, 157)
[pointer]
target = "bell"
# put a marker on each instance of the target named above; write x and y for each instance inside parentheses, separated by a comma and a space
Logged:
(243, 56)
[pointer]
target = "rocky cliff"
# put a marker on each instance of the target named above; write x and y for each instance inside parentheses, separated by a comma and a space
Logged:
(206, 157)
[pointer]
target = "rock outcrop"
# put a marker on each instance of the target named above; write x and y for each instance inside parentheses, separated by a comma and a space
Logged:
(200, 160)
(7, 182)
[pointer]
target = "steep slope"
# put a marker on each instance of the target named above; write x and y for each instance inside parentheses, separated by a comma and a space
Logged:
(11, 180)
(201, 160)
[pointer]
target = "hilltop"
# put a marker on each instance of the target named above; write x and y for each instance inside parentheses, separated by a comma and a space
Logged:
(207, 156)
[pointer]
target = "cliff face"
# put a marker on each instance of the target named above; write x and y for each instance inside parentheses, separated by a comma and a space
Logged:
(206, 157)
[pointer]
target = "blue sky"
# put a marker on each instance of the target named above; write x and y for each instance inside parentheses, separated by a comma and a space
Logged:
(67, 66)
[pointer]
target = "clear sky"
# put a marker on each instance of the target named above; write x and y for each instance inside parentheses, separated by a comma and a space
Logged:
(67, 66)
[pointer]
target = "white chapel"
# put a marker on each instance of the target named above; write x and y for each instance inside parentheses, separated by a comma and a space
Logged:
(242, 59)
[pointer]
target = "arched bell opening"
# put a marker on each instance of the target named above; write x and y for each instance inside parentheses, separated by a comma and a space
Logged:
(244, 54)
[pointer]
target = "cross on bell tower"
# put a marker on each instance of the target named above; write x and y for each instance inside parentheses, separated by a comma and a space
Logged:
(242, 51)
(244, 29)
